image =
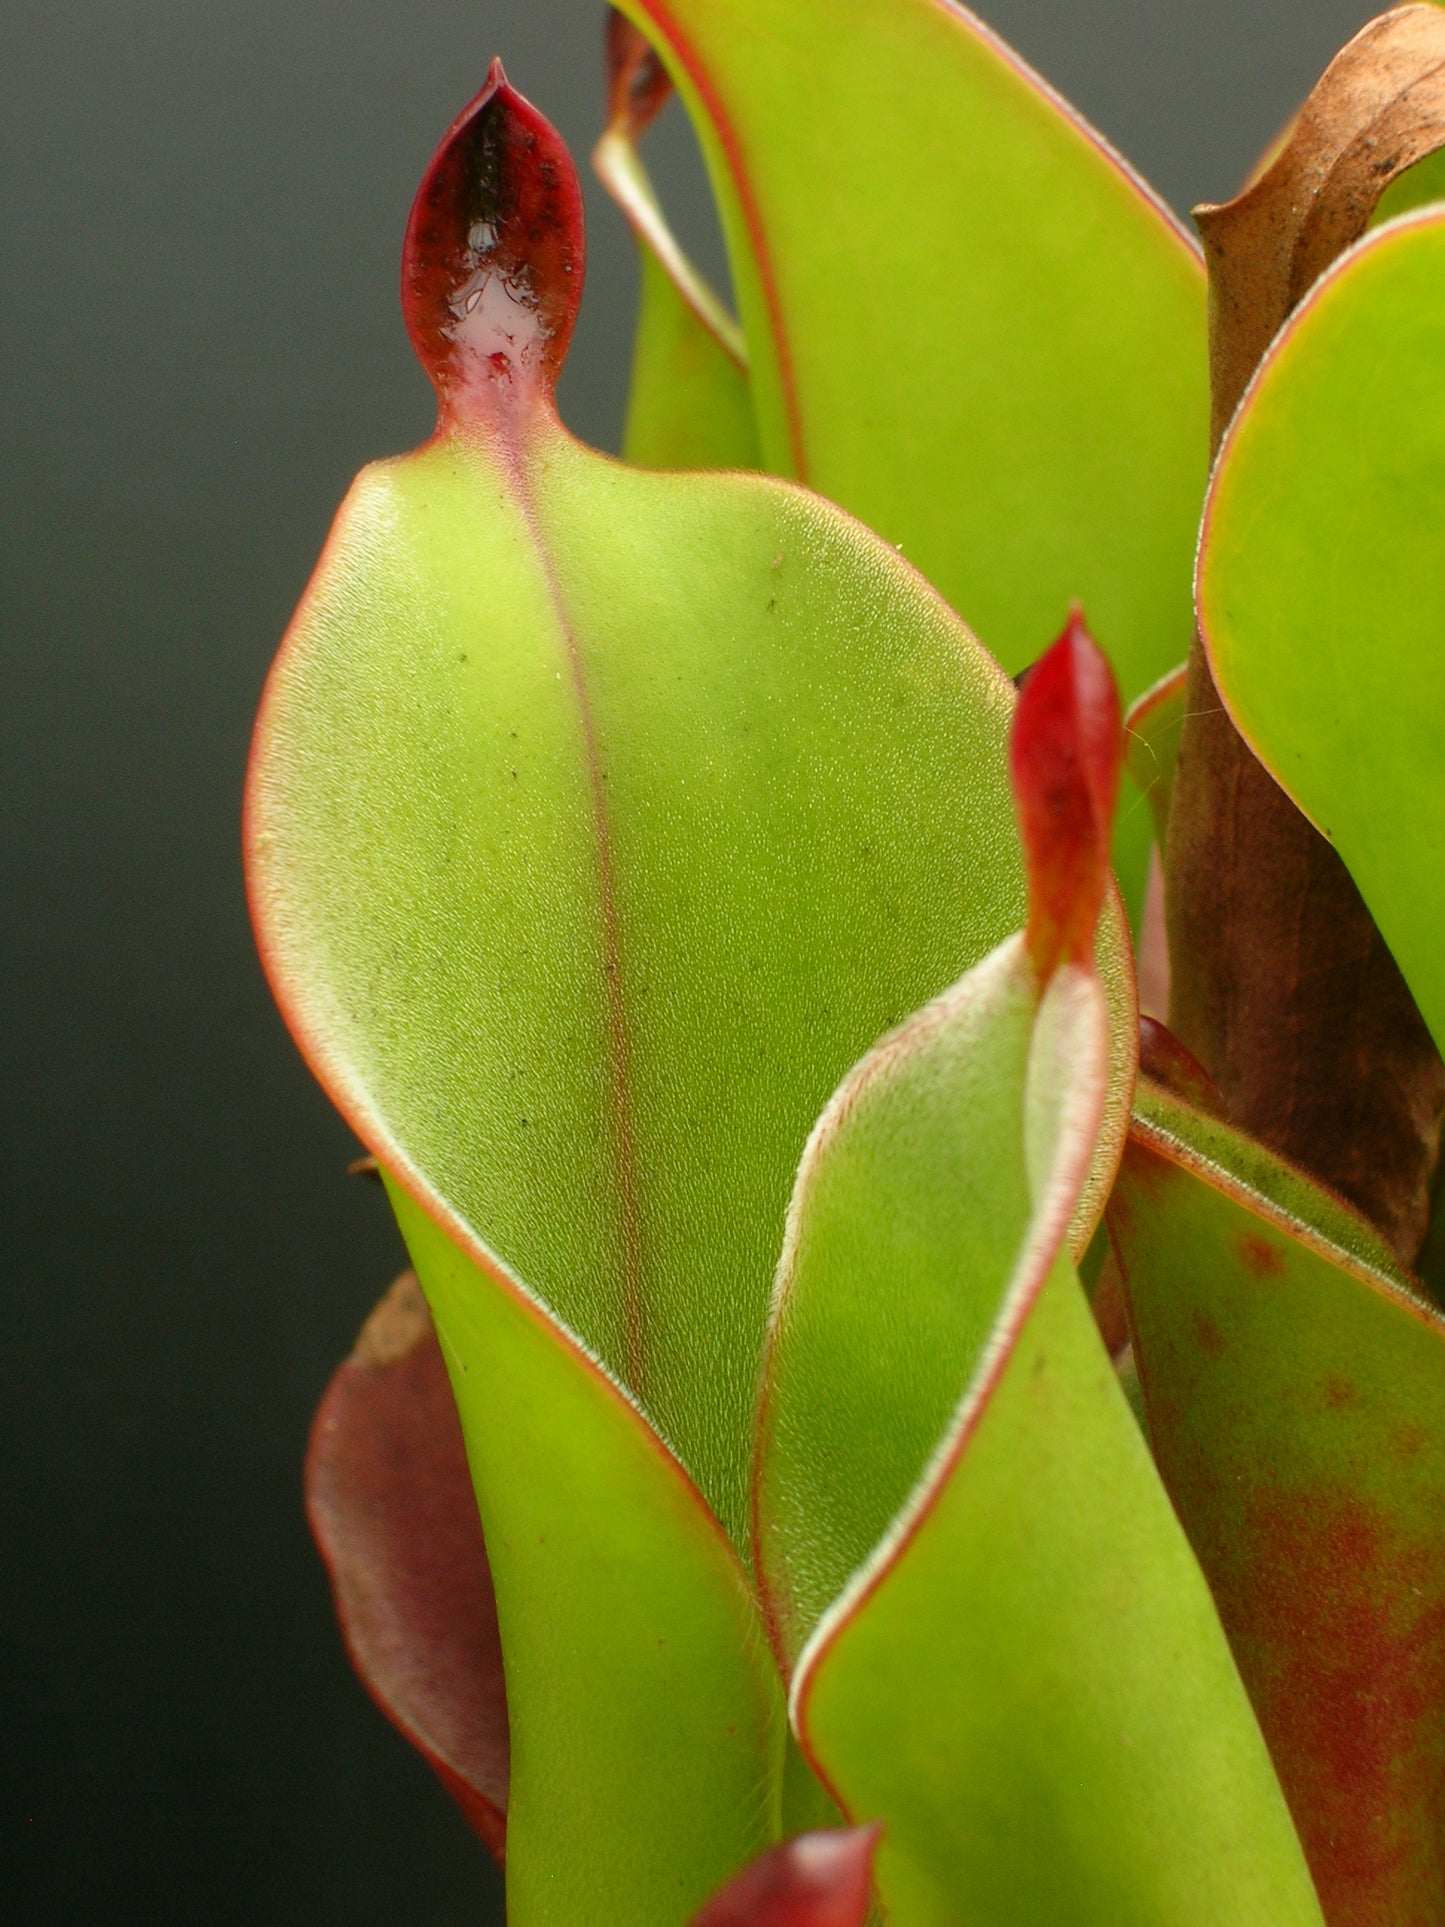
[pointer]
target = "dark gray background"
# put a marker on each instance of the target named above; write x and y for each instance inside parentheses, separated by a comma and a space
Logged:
(202, 207)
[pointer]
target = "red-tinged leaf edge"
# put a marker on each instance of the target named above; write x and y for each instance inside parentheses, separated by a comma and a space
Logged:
(1331, 1606)
(1078, 1008)
(813, 1880)
(1164, 1058)
(638, 85)
(687, 58)
(390, 1504)
(493, 260)
(531, 175)
(638, 88)
(1064, 756)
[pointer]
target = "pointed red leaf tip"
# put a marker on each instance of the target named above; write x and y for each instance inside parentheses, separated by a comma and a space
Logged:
(391, 1507)
(814, 1880)
(638, 86)
(1064, 756)
(492, 266)
(1164, 1058)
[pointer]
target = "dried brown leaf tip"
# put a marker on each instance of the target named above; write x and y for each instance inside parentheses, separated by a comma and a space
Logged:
(1379, 108)
(493, 259)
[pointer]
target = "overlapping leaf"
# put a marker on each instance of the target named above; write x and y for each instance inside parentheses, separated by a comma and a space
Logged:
(998, 1639)
(966, 320)
(690, 404)
(597, 821)
(1282, 984)
(1151, 744)
(1295, 1390)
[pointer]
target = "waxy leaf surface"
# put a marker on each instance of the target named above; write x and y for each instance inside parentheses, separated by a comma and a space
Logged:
(999, 1643)
(690, 402)
(1295, 1391)
(597, 821)
(1020, 1672)
(967, 322)
(392, 1509)
(1322, 579)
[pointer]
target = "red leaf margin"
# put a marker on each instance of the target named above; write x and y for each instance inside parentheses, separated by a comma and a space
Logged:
(390, 1504)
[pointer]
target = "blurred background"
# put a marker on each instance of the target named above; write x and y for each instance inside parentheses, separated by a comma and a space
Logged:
(202, 209)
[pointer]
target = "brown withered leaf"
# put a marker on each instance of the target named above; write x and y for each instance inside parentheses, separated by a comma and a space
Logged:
(1280, 983)
(390, 1504)
(1378, 109)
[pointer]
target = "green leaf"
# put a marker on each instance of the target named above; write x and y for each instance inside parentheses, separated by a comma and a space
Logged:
(647, 1723)
(1024, 1677)
(1322, 577)
(1416, 187)
(690, 404)
(968, 323)
(1295, 1390)
(597, 821)
(999, 1642)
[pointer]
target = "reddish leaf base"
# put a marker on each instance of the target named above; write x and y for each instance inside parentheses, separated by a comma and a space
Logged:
(390, 1503)
(1064, 757)
(1341, 1639)
(814, 1880)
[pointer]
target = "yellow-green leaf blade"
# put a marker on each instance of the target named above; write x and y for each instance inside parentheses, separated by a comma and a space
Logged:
(646, 1718)
(967, 322)
(1322, 577)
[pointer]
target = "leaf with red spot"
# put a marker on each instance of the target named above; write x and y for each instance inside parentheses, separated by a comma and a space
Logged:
(1295, 1391)
(392, 1509)
(597, 821)
(996, 1638)
(813, 1880)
